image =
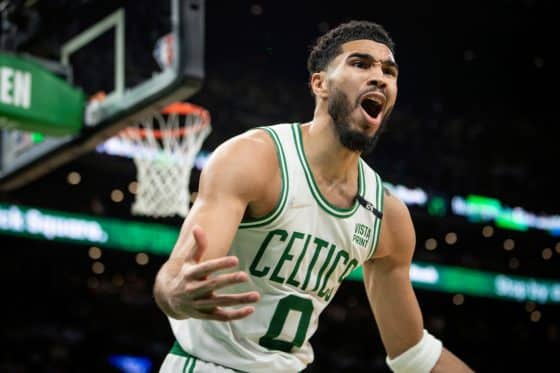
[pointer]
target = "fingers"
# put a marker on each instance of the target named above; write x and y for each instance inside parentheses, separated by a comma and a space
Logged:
(212, 308)
(225, 300)
(196, 244)
(222, 314)
(200, 271)
(204, 287)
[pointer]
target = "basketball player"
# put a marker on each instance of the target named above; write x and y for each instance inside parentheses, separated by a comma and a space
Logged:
(283, 214)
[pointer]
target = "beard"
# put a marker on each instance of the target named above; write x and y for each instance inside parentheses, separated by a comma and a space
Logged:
(340, 110)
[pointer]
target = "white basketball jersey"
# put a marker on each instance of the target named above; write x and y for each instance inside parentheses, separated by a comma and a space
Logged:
(296, 258)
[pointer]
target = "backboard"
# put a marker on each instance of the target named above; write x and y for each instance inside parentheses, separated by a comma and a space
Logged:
(141, 55)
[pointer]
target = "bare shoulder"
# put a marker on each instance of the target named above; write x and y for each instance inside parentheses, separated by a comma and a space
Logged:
(397, 230)
(395, 210)
(244, 162)
(250, 143)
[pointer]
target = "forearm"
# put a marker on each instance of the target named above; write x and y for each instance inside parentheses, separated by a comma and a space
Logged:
(448, 362)
(399, 330)
(410, 348)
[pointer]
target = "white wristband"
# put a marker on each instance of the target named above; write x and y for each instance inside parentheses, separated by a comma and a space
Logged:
(420, 358)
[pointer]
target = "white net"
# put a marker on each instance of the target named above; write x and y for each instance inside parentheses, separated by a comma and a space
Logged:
(166, 146)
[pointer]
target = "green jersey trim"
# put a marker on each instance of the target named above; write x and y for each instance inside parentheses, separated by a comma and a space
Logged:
(189, 365)
(190, 360)
(272, 215)
(325, 205)
(176, 349)
(379, 200)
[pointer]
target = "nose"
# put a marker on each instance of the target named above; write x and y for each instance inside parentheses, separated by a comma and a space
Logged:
(377, 82)
(377, 78)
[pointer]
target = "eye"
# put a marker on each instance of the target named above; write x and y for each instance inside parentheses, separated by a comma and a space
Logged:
(360, 64)
(390, 71)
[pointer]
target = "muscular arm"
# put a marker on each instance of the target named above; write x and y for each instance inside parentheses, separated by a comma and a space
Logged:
(390, 292)
(232, 180)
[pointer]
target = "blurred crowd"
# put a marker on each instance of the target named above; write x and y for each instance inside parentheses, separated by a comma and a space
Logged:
(459, 136)
(61, 317)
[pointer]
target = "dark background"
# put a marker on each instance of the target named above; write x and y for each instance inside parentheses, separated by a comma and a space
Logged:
(474, 116)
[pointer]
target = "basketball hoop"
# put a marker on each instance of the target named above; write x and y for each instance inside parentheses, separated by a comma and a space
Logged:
(166, 145)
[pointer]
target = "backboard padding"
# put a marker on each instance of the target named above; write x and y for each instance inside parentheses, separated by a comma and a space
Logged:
(138, 99)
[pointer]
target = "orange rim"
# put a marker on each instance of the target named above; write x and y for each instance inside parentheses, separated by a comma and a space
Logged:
(177, 108)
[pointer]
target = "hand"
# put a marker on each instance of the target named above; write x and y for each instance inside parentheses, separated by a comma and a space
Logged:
(193, 289)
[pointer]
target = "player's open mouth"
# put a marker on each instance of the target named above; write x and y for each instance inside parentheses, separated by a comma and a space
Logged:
(372, 103)
(372, 107)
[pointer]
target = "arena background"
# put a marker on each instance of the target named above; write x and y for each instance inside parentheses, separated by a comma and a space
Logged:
(474, 118)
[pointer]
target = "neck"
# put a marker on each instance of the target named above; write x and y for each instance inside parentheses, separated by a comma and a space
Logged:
(327, 156)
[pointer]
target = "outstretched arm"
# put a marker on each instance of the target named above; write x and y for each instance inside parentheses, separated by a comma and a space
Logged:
(233, 179)
(393, 302)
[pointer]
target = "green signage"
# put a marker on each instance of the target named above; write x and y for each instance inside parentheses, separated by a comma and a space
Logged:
(82, 229)
(483, 284)
(159, 239)
(34, 99)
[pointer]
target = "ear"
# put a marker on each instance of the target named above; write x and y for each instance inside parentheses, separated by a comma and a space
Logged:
(319, 84)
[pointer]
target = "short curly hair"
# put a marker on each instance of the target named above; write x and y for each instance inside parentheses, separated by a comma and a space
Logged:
(328, 46)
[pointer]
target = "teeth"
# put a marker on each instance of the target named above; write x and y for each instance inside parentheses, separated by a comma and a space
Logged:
(375, 99)
(375, 96)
